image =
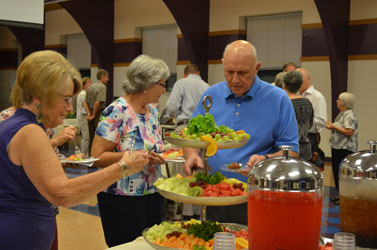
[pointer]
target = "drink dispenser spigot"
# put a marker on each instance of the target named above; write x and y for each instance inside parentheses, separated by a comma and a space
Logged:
(285, 204)
(358, 196)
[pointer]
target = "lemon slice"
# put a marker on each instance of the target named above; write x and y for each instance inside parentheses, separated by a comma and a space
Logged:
(212, 147)
(241, 243)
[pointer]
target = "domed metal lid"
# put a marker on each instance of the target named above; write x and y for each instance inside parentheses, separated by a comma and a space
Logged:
(286, 174)
(362, 164)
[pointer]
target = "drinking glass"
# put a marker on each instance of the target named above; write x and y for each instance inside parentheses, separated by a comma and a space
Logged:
(224, 241)
(344, 241)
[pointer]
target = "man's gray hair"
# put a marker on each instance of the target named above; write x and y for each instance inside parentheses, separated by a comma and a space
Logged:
(347, 99)
(143, 72)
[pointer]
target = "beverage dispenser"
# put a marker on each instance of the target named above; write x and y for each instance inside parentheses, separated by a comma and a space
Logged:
(358, 196)
(284, 204)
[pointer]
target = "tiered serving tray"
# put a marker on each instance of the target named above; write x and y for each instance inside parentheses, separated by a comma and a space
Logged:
(204, 201)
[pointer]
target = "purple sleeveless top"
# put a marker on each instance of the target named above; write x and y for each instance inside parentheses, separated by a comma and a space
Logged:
(27, 219)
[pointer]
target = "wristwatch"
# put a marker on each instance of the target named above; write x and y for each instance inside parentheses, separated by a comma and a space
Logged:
(123, 168)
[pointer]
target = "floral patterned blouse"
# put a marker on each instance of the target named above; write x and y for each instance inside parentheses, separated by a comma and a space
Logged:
(117, 123)
(345, 119)
(6, 113)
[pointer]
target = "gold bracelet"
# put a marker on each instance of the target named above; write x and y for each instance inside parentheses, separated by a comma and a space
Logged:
(123, 168)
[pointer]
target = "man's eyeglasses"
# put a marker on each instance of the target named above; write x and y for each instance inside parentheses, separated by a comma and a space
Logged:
(67, 99)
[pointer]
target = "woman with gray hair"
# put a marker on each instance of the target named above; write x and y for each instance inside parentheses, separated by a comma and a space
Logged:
(131, 123)
(292, 82)
(344, 131)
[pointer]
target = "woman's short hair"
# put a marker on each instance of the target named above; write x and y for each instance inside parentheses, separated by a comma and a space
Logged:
(292, 81)
(279, 79)
(347, 99)
(43, 74)
(143, 72)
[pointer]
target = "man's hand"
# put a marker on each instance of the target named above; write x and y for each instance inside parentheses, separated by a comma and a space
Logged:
(192, 162)
(89, 118)
(254, 159)
(67, 134)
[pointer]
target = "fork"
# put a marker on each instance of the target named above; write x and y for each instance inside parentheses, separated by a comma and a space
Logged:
(153, 148)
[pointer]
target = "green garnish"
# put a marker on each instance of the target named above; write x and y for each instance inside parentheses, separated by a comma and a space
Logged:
(206, 230)
(202, 124)
(210, 178)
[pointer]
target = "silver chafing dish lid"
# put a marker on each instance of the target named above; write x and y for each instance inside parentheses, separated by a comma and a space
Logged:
(286, 174)
(361, 165)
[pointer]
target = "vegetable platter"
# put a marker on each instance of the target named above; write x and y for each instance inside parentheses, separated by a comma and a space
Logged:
(203, 189)
(193, 234)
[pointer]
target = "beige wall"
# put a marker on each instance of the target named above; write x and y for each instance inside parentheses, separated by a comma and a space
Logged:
(57, 24)
(131, 15)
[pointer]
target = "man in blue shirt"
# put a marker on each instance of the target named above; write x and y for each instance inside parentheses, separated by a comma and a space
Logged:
(244, 102)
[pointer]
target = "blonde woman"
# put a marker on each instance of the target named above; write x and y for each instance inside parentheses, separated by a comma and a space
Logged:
(32, 179)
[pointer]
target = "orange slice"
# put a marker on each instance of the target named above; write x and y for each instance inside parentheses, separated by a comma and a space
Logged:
(240, 132)
(241, 243)
(212, 147)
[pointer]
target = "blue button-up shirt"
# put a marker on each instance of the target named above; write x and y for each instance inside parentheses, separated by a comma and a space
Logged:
(265, 112)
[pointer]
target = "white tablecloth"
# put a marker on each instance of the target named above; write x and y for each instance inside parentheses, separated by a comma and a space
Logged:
(138, 244)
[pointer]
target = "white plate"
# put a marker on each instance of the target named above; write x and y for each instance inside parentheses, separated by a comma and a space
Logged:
(244, 167)
(178, 159)
(87, 161)
(204, 201)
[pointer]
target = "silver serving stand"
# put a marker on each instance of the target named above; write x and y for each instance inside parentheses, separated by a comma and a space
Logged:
(191, 143)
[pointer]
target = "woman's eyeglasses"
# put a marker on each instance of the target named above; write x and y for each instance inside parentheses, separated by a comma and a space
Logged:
(67, 99)
(161, 84)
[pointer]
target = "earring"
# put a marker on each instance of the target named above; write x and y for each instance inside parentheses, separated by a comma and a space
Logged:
(38, 117)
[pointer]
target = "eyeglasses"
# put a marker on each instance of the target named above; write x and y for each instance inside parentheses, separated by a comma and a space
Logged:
(161, 84)
(67, 99)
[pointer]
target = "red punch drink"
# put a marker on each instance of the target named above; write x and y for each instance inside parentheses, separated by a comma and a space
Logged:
(284, 220)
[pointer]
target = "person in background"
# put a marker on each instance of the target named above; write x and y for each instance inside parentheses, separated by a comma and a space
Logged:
(32, 180)
(241, 103)
(289, 67)
(183, 99)
(344, 133)
(95, 102)
(185, 95)
(319, 106)
(278, 82)
(56, 139)
(292, 81)
(81, 115)
(132, 204)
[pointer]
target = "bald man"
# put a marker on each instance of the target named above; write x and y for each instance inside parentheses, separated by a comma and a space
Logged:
(244, 102)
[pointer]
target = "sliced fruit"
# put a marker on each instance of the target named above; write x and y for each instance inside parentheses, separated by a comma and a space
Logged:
(239, 132)
(212, 147)
(241, 243)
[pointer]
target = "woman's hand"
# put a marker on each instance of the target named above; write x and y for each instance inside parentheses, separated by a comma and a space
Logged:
(155, 158)
(329, 125)
(67, 134)
(136, 161)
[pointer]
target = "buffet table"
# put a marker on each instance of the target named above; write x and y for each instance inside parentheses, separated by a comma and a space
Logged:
(138, 244)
